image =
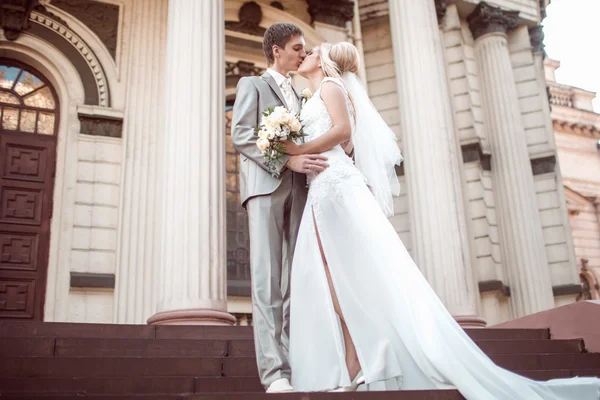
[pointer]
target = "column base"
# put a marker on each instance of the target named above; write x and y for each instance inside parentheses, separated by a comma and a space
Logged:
(471, 322)
(192, 317)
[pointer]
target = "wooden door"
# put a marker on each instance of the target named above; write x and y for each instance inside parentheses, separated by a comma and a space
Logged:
(29, 121)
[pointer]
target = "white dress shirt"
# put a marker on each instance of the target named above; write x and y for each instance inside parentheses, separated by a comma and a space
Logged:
(285, 84)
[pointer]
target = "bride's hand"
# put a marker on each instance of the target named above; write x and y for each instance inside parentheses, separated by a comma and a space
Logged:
(291, 148)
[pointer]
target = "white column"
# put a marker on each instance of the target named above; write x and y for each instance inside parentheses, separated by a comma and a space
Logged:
(437, 210)
(192, 283)
(536, 38)
(138, 255)
(522, 242)
(358, 42)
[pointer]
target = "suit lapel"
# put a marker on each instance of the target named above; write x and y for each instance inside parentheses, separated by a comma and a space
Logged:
(298, 96)
(271, 81)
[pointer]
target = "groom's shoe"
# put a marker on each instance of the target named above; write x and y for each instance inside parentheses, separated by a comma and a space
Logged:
(281, 385)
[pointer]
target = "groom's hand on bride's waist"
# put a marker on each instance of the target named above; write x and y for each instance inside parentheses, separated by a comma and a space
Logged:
(311, 164)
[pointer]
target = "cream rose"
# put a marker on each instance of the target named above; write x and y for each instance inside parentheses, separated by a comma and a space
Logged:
(296, 125)
(263, 134)
(262, 144)
(271, 122)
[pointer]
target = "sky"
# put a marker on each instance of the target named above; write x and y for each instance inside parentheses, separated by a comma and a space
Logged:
(572, 36)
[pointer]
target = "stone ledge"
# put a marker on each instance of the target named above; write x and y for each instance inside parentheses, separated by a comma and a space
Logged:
(564, 290)
(473, 152)
(92, 280)
(494, 285)
(543, 165)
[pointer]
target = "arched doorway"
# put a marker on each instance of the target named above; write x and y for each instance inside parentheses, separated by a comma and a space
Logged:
(28, 134)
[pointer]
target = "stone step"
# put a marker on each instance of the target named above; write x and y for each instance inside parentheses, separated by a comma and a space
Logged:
(112, 366)
(119, 385)
(245, 348)
(80, 330)
(232, 366)
(76, 330)
(138, 385)
(98, 386)
(547, 361)
(531, 346)
(403, 395)
(246, 366)
(28, 346)
(111, 347)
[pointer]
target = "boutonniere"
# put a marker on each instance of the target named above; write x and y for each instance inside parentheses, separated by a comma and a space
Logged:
(306, 94)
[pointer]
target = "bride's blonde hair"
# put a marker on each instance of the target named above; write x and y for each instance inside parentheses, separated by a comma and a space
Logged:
(339, 58)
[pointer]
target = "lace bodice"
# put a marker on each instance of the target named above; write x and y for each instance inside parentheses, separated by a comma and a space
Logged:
(317, 121)
(314, 114)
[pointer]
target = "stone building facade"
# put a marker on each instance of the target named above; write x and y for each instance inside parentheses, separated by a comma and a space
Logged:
(125, 209)
(577, 133)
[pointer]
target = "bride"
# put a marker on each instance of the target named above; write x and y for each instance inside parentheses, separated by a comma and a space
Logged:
(362, 314)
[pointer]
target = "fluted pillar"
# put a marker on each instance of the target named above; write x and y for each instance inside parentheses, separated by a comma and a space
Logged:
(138, 255)
(433, 180)
(522, 242)
(192, 282)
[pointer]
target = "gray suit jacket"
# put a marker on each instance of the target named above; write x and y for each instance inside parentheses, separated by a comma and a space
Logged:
(254, 95)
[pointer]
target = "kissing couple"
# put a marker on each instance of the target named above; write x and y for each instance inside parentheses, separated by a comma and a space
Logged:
(338, 303)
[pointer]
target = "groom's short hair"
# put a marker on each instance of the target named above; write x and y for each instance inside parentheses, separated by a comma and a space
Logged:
(279, 34)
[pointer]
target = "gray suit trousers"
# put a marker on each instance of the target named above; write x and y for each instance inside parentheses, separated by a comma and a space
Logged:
(274, 221)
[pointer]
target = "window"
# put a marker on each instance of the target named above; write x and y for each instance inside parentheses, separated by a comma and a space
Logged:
(27, 103)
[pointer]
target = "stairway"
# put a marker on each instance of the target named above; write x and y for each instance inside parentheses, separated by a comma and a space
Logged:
(117, 362)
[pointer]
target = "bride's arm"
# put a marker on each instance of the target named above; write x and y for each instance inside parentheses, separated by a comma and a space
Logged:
(341, 130)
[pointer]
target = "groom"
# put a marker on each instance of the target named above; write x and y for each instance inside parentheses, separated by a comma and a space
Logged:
(274, 205)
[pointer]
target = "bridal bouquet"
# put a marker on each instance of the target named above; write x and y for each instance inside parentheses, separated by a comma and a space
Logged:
(277, 124)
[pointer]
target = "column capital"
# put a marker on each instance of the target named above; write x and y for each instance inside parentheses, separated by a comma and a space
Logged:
(489, 19)
(332, 12)
(440, 9)
(536, 37)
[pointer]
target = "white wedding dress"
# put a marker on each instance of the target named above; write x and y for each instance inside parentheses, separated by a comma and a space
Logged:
(405, 338)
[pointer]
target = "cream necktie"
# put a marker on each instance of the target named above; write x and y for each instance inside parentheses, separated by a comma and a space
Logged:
(288, 94)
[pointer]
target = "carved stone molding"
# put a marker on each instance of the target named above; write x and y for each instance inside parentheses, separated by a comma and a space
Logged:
(543, 165)
(536, 37)
(332, 12)
(236, 70)
(14, 16)
(440, 9)
(82, 48)
(250, 16)
(489, 19)
(242, 68)
(101, 126)
(101, 18)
